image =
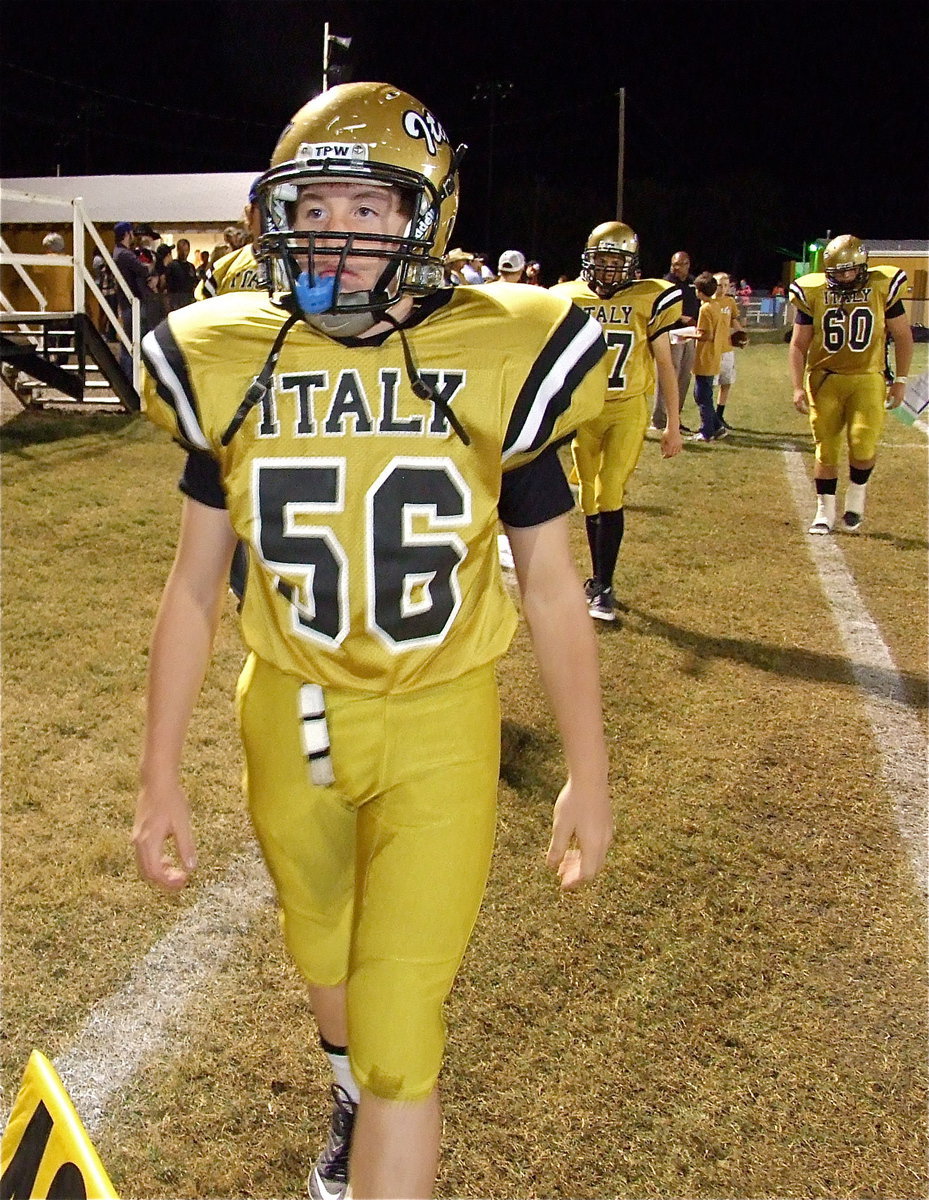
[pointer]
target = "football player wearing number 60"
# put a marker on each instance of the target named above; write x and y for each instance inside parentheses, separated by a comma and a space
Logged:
(837, 362)
(636, 315)
(361, 429)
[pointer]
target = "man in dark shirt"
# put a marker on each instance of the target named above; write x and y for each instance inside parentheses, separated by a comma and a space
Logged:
(683, 345)
(136, 277)
(180, 277)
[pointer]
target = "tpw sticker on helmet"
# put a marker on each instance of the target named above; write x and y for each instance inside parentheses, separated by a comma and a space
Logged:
(424, 125)
(343, 151)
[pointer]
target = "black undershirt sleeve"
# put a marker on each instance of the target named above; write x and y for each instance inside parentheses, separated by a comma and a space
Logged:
(801, 318)
(529, 495)
(535, 492)
(200, 480)
(896, 310)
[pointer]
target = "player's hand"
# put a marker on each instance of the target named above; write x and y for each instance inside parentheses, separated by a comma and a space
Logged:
(582, 829)
(162, 815)
(671, 443)
(895, 395)
(801, 403)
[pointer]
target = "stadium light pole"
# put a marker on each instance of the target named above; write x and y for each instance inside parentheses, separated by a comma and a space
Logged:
(621, 157)
(491, 92)
(328, 42)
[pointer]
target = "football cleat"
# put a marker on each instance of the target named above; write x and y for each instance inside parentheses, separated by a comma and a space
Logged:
(851, 521)
(591, 589)
(602, 607)
(329, 1178)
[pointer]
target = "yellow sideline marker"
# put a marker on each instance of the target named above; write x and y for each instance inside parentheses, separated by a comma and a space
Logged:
(45, 1152)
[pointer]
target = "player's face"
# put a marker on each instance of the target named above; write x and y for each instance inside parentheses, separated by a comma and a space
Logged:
(358, 208)
(846, 277)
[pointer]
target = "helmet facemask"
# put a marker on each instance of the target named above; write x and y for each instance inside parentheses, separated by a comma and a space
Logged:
(606, 270)
(308, 267)
(845, 253)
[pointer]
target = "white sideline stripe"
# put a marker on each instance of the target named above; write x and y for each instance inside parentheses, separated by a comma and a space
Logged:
(897, 730)
(136, 1022)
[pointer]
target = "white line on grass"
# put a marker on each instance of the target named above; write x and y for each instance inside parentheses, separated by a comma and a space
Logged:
(126, 1028)
(897, 731)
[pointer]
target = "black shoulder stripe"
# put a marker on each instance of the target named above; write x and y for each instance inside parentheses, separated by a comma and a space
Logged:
(573, 349)
(665, 299)
(166, 364)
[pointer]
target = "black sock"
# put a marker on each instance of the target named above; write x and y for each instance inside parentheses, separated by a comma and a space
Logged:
(591, 524)
(826, 487)
(609, 539)
(859, 474)
(720, 410)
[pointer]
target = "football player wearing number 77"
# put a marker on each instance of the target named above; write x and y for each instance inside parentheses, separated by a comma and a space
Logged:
(361, 429)
(837, 368)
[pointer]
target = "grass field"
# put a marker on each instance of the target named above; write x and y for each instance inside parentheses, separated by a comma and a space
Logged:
(737, 1008)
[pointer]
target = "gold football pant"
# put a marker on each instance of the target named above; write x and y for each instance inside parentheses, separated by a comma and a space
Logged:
(379, 877)
(605, 453)
(852, 405)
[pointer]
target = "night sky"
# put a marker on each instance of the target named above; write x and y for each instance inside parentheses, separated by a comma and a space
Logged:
(751, 125)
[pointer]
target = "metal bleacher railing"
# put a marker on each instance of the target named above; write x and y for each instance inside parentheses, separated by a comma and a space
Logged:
(763, 311)
(29, 325)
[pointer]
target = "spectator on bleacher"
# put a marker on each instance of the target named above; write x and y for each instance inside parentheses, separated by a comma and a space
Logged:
(136, 276)
(158, 280)
(511, 266)
(103, 278)
(474, 272)
(56, 285)
(683, 348)
(180, 277)
(455, 262)
(533, 274)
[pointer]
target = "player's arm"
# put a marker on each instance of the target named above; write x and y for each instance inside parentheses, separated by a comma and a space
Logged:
(899, 329)
(179, 654)
(566, 650)
(800, 341)
(671, 442)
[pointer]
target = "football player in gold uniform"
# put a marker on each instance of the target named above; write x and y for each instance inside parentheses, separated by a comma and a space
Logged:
(239, 270)
(837, 363)
(361, 429)
(636, 315)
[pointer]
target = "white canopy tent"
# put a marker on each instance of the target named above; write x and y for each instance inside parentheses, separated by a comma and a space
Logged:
(177, 201)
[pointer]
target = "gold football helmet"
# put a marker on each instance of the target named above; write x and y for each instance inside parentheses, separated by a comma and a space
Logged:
(845, 253)
(368, 132)
(611, 257)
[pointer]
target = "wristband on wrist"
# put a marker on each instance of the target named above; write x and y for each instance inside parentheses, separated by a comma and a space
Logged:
(901, 379)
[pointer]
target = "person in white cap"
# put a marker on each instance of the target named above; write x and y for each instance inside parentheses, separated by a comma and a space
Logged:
(511, 266)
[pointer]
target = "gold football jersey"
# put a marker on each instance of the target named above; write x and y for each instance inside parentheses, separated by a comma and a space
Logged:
(371, 527)
(635, 315)
(849, 328)
(237, 271)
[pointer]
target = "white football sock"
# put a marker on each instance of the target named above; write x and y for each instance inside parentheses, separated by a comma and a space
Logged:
(342, 1070)
(825, 510)
(854, 497)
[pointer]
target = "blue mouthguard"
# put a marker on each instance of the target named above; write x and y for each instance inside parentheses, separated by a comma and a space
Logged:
(314, 297)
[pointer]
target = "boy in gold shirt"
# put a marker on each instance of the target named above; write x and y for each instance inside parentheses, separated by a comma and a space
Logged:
(713, 340)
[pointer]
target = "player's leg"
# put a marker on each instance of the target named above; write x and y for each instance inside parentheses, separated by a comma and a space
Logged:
(307, 835)
(703, 395)
(726, 380)
(586, 453)
(866, 414)
(424, 851)
(622, 448)
(685, 369)
(827, 422)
